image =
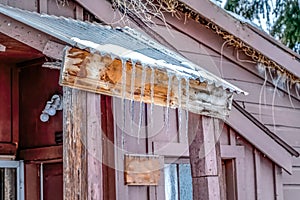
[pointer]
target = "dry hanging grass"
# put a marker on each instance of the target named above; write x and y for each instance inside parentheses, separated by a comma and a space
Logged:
(146, 10)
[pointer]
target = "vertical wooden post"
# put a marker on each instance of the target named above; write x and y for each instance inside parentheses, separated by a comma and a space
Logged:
(205, 158)
(82, 154)
(94, 147)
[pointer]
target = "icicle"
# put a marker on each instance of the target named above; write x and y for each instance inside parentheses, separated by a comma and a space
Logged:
(132, 89)
(141, 100)
(261, 91)
(297, 88)
(271, 72)
(187, 106)
(273, 102)
(123, 102)
(167, 113)
(289, 92)
(261, 69)
(179, 105)
(152, 95)
(282, 80)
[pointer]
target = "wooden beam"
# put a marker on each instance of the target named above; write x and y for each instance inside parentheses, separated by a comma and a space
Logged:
(252, 133)
(205, 158)
(74, 144)
(43, 6)
(82, 157)
(101, 74)
(32, 37)
(15, 106)
(8, 149)
(42, 154)
(23, 33)
(94, 147)
(54, 50)
(104, 11)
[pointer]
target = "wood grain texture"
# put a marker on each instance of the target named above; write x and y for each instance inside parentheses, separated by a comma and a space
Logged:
(142, 169)
(101, 74)
(94, 147)
(75, 139)
(83, 177)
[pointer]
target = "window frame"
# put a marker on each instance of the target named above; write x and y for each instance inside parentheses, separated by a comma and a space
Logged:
(19, 166)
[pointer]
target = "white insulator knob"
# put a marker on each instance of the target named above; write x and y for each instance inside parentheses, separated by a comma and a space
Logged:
(44, 117)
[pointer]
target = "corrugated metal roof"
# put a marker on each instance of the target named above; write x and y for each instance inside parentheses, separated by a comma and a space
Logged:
(89, 36)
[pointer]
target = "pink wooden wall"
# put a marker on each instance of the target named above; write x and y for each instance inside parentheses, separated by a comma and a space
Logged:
(280, 116)
(256, 176)
(261, 175)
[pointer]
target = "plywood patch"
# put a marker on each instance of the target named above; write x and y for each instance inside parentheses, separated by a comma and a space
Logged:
(142, 169)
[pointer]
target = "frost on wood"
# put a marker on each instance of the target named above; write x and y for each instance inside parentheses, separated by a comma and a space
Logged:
(150, 84)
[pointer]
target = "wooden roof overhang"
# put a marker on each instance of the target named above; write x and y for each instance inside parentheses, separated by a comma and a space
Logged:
(150, 82)
(102, 59)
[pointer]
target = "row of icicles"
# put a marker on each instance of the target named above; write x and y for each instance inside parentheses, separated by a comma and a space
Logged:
(280, 80)
(182, 89)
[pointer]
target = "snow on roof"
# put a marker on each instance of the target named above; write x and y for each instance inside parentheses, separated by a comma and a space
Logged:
(124, 43)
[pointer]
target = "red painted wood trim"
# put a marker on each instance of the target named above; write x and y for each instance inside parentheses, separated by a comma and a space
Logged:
(43, 153)
(107, 124)
(15, 106)
(8, 149)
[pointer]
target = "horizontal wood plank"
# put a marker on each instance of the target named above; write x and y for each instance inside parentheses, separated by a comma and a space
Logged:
(8, 149)
(43, 153)
(293, 179)
(256, 96)
(291, 191)
(270, 115)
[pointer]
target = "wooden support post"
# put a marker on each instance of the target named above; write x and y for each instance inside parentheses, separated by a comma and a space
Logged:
(82, 147)
(205, 158)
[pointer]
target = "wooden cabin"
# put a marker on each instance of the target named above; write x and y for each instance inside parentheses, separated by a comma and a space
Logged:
(69, 131)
